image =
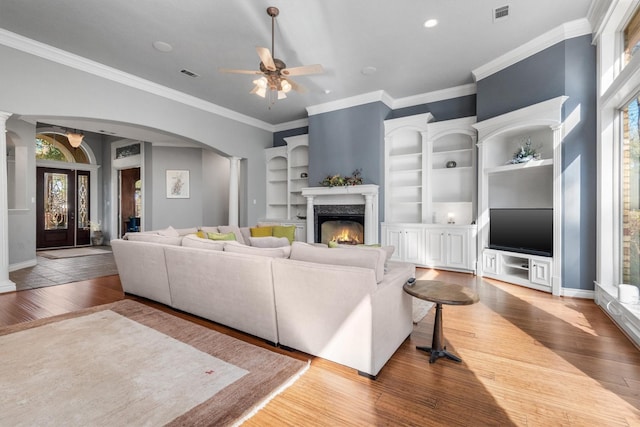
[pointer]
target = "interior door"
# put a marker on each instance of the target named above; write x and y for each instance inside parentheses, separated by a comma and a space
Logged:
(62, 203)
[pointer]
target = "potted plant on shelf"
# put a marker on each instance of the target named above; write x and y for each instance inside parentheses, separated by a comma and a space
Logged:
(97, 238)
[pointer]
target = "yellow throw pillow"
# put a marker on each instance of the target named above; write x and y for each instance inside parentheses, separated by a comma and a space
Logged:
(261, 231)
(221, 236)
(201, 234)
(288, 231)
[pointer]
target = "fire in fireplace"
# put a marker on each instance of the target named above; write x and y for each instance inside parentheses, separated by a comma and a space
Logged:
(342, 224)
(343, 232)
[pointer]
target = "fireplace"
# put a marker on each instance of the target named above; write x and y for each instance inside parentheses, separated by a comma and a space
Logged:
(342, 224)
(352, 203)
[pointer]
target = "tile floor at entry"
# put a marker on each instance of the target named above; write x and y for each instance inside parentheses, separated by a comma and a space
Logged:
(50, 272)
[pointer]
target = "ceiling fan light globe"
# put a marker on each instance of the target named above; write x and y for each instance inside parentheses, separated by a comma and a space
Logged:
(285, 86)
(261, 82)
(281, 95)
(260, 91)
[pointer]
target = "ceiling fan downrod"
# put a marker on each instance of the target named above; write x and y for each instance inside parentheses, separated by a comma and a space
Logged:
(273, 11)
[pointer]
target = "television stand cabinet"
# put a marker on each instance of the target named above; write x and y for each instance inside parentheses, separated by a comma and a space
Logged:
(532, 271)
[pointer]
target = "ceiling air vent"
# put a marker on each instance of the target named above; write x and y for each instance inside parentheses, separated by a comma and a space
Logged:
(189, 73)
(500, 13)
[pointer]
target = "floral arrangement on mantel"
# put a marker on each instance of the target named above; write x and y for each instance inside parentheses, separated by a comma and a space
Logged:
(525, 153)
(341, 181)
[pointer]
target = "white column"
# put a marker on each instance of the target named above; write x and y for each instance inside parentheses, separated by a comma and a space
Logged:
(368, 220)
(233, 190)
(6, 285)
(310, 221)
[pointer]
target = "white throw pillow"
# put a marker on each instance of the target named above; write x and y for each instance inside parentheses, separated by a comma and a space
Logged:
(169, 232)
(269, 242)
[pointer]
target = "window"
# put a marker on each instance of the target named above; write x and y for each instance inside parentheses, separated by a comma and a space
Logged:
(632, 37)
(630, 194)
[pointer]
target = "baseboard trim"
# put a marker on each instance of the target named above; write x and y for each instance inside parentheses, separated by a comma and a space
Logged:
(578, 293)
(24, 264)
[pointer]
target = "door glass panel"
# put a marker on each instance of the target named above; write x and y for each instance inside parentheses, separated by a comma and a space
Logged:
(56, 212)
(83, 201)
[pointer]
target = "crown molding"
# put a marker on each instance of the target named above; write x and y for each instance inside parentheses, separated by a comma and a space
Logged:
(24, 44)
(579, 27)
(366, 98)
(438, 95)
(295, 124)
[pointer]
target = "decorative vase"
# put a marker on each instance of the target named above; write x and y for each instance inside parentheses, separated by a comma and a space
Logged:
(451, 164)
(97, 238)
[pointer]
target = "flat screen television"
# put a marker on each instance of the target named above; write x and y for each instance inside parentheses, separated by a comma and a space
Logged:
(523, 230)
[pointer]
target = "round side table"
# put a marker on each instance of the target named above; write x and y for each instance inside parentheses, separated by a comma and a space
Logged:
(440, 293)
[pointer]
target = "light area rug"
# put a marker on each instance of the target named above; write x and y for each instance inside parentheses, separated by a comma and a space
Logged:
(72, 252)
(129, 364)
(420, 309)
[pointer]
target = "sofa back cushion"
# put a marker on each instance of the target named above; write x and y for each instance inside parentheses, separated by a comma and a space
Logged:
(193, 241)
(282, 252)
(373, 258)
(154, 238)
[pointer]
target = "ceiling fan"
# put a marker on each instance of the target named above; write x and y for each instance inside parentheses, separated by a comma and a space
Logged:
(275, 76)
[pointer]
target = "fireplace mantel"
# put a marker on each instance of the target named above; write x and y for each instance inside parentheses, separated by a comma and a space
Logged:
(366, 194)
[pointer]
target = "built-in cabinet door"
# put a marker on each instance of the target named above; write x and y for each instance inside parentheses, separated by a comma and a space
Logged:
(540, 272)
(435, 252)
(456, 248)
(490, 262)
(393, 237)
(413, 245)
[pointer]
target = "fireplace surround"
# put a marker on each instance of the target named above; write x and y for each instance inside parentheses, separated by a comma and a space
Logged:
(340, 198)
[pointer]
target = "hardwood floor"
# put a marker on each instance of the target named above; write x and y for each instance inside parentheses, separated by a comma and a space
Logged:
(529, 359)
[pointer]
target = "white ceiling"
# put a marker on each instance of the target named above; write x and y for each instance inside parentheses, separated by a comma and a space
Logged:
(342, 35)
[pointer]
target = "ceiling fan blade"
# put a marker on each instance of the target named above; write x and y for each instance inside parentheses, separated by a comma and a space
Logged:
(229, 70)
(266, 58)
(303, 70)
(295, 86)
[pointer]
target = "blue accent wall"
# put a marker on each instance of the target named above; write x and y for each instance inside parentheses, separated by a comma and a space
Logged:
(447, 109)
(278, 137)
(345, 140)
(567, 68)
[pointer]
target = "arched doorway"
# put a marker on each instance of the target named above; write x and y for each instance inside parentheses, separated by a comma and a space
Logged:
(63, 193)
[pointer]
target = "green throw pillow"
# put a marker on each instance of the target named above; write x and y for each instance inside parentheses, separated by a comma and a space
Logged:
(221, 236)
(333, 244)
(261, 231)
(288, 231)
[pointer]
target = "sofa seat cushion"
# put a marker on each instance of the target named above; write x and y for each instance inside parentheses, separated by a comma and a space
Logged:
(372, 258)
(269, 242)
(282, 252)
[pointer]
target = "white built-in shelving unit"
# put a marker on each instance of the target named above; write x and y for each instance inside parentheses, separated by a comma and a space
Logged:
(534, 184)
(430, 182)
(287, 174)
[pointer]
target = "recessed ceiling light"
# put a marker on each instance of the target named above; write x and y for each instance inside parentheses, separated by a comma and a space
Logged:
(367, 71)
(430, 23)
(162, 46)
(327, 91)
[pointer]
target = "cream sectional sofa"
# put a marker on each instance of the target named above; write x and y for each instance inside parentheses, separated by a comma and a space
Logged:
(344, 305)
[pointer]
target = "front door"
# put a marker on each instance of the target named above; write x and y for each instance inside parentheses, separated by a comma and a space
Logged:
(62, 203)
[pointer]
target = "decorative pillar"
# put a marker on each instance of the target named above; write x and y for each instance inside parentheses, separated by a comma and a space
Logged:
(368, 220)
(233, 190)
(310, 221)
(6, 285)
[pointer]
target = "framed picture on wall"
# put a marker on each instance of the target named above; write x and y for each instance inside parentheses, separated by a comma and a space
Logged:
(177, 184)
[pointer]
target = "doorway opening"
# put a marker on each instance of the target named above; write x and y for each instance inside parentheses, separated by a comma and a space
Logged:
(130, 200)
